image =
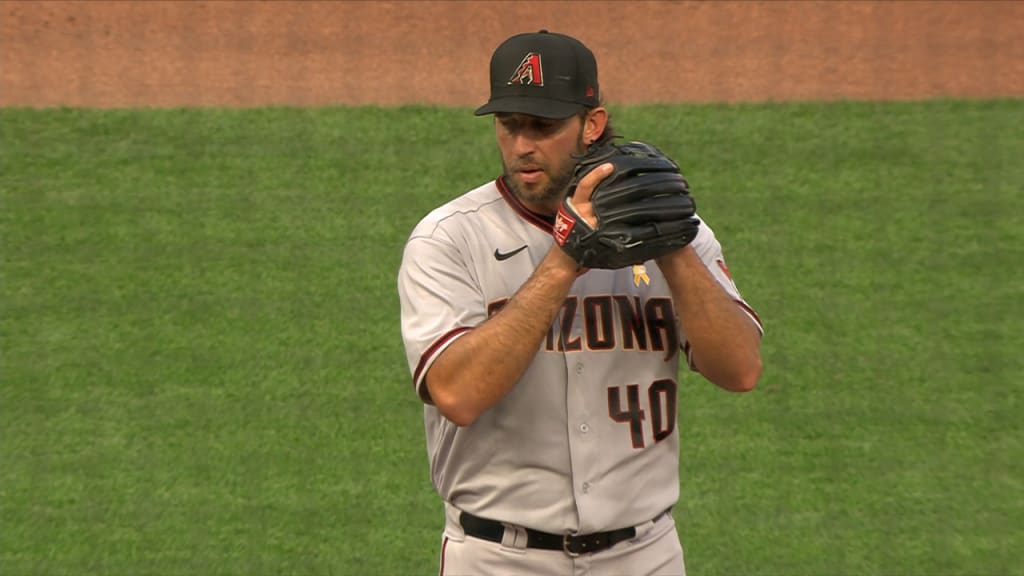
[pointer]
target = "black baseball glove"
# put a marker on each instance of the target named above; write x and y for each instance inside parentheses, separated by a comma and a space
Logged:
(644, 208)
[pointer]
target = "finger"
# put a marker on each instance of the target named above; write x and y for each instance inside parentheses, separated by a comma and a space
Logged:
(589, 182)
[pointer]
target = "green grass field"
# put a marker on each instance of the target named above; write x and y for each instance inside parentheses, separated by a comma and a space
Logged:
(202, 371)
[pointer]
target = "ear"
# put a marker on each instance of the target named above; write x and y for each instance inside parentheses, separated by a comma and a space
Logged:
(593, 124)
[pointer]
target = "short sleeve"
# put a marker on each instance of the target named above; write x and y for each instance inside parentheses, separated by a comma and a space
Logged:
(709, 250)
(440, 301)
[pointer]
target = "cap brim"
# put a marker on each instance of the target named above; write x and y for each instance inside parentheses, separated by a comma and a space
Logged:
(541, 107)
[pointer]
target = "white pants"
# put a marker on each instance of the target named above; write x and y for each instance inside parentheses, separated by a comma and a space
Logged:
(655, 551)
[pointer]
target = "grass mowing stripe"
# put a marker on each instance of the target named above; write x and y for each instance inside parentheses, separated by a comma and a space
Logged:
(202, 371)
(886, 278)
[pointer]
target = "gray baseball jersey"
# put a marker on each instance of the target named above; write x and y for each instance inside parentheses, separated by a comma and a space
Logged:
(587, 439)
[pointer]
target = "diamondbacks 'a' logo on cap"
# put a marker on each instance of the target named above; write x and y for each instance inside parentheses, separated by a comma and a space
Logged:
(529, 72)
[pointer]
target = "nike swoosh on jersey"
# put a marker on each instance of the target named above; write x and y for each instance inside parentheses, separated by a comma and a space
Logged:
(499, 255)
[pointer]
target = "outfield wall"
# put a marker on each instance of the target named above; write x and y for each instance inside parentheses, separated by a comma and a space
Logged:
(313, 53)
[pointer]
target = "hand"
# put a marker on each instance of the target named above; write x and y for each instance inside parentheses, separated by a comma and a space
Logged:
(627, 204)
(580, 202)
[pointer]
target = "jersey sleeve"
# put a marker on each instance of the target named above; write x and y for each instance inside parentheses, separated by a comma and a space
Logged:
(710, 252)
(440, 302)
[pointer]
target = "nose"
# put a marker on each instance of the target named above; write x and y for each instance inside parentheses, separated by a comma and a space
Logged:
(523, 143)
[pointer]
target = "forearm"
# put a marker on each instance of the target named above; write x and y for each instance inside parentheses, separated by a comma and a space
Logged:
(482, 366)
(724, 341)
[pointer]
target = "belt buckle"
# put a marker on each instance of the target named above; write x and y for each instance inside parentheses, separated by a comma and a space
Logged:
(565, 544)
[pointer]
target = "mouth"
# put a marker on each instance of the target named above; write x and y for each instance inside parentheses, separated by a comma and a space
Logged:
(530, 174)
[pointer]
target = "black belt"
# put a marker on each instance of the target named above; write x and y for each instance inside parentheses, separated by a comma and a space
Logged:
(571, 544)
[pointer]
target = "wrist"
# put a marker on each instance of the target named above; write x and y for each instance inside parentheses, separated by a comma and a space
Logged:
(675, 260)
(559, 263)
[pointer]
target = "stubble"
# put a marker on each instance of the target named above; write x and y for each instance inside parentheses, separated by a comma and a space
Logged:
(558, 179)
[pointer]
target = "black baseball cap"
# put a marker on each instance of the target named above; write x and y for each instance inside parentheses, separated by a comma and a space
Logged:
(542, 74)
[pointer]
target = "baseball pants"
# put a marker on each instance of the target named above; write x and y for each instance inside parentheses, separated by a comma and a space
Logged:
(655, 551)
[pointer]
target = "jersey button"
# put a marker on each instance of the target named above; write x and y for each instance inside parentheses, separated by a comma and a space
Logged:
(579, 367)
(586, 487)
(584, 428)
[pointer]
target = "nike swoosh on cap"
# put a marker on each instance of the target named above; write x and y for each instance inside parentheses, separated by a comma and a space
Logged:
(499, 255)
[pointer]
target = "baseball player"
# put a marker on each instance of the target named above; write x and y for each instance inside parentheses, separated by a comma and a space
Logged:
(550, 389)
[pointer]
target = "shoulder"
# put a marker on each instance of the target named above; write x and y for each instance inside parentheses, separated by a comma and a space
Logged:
(458, 212)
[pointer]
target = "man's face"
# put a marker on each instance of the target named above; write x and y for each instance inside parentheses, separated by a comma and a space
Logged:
(537, 156)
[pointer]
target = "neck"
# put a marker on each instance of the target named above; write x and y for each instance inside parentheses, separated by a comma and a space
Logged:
(549, 208)
(538, 205)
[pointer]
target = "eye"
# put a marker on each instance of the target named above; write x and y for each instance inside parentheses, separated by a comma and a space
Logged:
(545, 126)
(514, 124)
(509, 123)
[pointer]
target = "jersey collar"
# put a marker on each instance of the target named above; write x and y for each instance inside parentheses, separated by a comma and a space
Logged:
(545, 223)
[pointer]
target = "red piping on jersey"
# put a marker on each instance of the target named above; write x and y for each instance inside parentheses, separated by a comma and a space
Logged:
(753, 314)
(686, 343)
(424, 393)
(689, 358)
(543, 222)
(444, 547)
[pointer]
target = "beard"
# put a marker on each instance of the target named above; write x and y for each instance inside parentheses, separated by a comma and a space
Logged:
(547, 191)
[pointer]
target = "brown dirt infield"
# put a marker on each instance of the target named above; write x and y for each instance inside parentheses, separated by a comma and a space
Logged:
(132, 54)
